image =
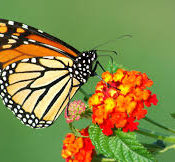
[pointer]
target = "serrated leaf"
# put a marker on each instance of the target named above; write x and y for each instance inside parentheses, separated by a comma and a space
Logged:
(122, 147)
(104, 145)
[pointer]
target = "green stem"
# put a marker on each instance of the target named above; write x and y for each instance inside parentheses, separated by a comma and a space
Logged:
(107, 160)
(87, 114)
(76, 131)
(167, 148)
(85, 94)
(102, 159)
(170, 139)
(159, 125)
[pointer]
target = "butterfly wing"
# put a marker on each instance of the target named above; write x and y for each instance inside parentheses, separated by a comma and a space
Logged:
(35, 82)
(19, 41)
(36, 90)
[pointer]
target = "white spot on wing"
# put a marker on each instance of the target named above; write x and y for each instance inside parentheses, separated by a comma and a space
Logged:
(24, 119)
(1, 35)
(18, 106)
(5, 100)
(21, 111)
(49, 57)
(33, 60)
(10, 71)
(2, 87)
(3, 73)
(15, 110)
(25, 42)
(40, 31)
(19, 115)
(11, 22)
(49, 122)
(24, 26)
(36, 121)
(31, 40)
(33, 116)
(11, 102)
(7, 68)
(4, 78)
(76, 72)
(70, 70)
(15, 37)
(25, 60)
(2, 94)
(30, 121)
(10, 106)
(27, 116)
(13, 65)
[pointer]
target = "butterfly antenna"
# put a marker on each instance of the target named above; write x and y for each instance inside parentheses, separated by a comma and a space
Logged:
(112, 40)
(111, 51)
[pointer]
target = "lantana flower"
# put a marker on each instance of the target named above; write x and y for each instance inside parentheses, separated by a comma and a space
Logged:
(75, 109)
(78, 149)
(120, 100)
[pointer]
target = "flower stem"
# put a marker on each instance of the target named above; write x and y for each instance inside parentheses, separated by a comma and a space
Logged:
(170, 139)
(85, 94)
(159, 125)
(102, 159)
(76, 131)
(167, 148)
(107, 160)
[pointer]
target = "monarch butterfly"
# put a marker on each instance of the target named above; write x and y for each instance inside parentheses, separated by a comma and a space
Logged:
(39, 73)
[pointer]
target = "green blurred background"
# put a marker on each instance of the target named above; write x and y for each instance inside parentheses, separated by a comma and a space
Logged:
(84, 24)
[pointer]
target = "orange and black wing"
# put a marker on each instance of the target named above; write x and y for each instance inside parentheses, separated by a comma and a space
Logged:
(19, 41)
(35, 82)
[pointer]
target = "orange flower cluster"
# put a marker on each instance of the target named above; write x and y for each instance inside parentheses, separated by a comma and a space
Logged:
(78, 149)
(120, 100)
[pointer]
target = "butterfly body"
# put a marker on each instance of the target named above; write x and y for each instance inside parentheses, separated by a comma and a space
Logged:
(39, 73)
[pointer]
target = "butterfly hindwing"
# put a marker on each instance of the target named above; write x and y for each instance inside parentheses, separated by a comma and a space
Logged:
(37, 89)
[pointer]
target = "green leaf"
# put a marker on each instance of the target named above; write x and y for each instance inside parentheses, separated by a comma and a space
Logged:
(122, 147)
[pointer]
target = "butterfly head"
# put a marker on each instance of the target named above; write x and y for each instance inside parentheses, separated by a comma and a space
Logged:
(89, 56)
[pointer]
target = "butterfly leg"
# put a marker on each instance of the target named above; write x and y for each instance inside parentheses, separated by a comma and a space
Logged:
(95, 74)
(95, 68)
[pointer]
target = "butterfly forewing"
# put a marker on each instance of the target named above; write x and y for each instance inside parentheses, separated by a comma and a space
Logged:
(19, 41)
